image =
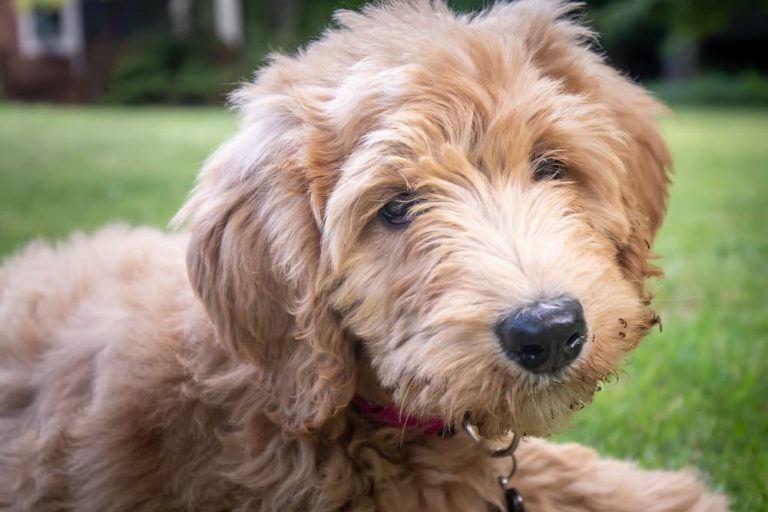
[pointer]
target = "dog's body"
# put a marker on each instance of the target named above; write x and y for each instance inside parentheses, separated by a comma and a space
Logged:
(116, 396)
(122, 387)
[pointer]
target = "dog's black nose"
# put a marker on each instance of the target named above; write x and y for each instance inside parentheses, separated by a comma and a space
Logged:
(544, 336)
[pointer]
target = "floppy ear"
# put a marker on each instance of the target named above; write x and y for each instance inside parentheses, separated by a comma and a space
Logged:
(254, 260)
(647, 162)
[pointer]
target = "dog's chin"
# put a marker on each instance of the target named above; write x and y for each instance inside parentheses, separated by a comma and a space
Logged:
(529, 423)
(503, 400)
(540, 412)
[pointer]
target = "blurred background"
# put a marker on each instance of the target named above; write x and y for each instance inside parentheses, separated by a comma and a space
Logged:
(187, 52)
(108, 108)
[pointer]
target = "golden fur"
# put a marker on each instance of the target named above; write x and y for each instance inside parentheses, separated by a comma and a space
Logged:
(122, 387)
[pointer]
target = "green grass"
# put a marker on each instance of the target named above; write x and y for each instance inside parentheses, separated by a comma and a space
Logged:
(694, 395)
(697, 393)
(65, 169)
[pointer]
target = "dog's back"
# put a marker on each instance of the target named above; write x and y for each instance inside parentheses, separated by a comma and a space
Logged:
(73, 317)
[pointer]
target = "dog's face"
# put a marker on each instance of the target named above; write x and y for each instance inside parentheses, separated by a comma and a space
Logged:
(469, 203)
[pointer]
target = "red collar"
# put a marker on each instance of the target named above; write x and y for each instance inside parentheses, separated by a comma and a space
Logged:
(392, 417)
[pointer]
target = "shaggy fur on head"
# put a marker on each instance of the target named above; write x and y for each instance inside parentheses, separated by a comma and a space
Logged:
(122, 387)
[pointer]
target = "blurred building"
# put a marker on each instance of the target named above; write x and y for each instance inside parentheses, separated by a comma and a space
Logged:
(66, 51)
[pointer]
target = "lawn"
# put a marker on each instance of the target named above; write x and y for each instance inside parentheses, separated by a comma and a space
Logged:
(696, 394)
(65, 169)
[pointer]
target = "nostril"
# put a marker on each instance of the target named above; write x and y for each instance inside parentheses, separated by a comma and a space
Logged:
(572, 347)
(575, 341)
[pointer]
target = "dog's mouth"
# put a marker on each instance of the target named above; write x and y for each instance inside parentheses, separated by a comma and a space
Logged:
(538, 417)
(535, 404)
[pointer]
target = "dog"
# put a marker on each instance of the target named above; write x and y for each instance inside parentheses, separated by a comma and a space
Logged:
(430, 236)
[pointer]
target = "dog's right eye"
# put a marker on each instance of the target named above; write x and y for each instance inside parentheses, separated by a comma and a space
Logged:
(547, 168)
(397, 212)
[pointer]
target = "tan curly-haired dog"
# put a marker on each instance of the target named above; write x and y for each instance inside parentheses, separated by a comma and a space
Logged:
(425, 219)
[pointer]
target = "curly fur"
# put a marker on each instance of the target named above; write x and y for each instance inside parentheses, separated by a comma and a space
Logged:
(122, 387)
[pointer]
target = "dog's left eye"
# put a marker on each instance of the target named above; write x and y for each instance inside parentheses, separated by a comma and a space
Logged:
(397, 212)
(547, 168)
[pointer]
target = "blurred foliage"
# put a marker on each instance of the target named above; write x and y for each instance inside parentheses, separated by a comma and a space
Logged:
(714, 88)
(159, 68)
(696, 18)
(690, 51)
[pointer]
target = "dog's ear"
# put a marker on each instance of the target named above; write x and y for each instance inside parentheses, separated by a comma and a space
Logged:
(254, 260)
(647, 162)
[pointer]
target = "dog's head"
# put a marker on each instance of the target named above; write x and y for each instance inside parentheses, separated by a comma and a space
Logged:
(468, 202)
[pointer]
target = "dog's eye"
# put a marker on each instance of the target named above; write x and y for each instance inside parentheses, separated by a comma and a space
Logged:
(547, 168)
(397, 212)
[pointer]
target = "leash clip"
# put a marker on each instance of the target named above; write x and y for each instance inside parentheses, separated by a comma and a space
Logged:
(513, 498)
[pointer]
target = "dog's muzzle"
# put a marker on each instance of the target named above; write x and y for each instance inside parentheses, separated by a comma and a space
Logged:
(544, 336)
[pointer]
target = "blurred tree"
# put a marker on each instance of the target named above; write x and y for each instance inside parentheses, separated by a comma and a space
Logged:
(686, 24)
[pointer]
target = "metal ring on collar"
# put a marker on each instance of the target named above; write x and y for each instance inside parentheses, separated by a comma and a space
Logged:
(498, 453)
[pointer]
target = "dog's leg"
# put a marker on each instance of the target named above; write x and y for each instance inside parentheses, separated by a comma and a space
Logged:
(570, 477)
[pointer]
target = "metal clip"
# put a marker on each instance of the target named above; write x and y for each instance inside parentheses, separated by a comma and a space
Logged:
(513, 498)
(509, 451)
